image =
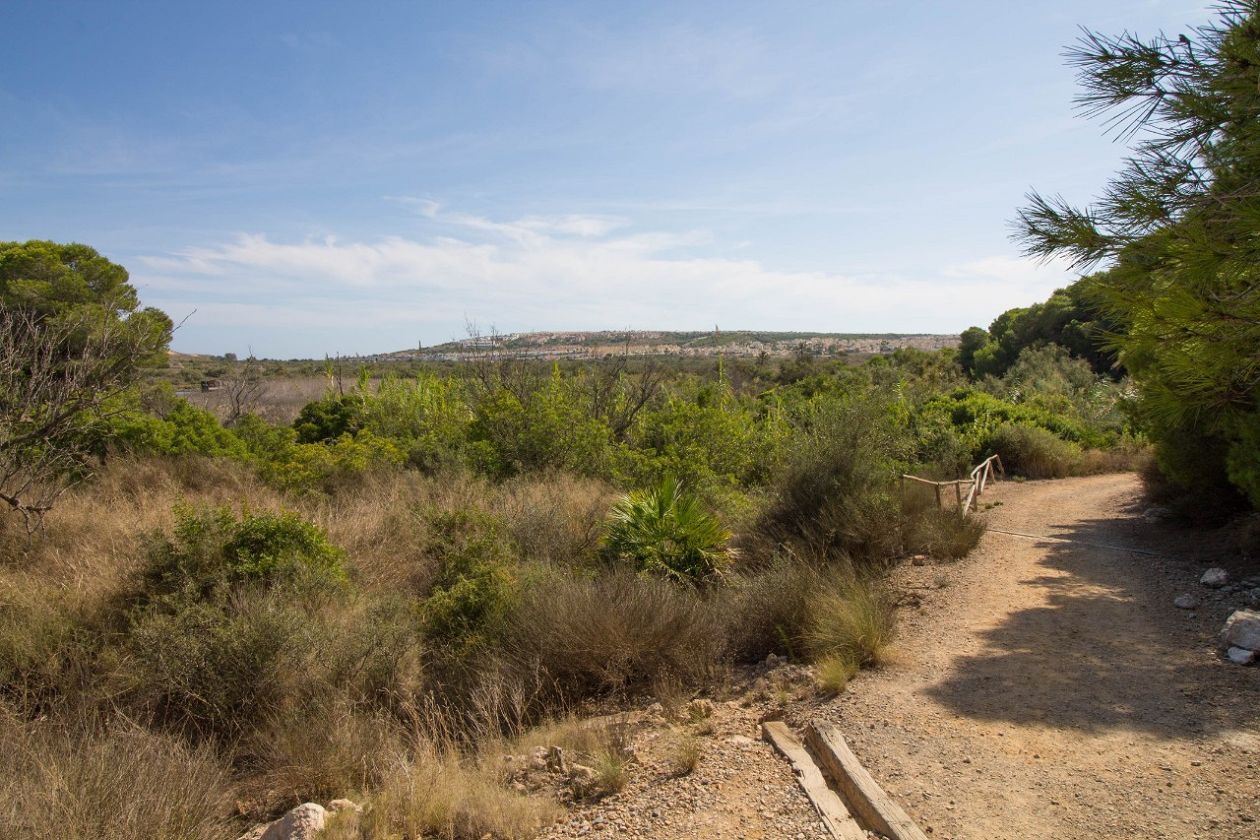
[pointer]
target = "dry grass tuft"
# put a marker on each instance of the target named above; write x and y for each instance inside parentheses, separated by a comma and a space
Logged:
(834, 672)
(684, 754)
(851, 619)
(431, 793)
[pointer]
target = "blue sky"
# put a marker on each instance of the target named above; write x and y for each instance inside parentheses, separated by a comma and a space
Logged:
(316, 178)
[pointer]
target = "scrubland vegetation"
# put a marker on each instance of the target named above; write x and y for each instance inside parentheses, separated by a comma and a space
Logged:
(374, 598)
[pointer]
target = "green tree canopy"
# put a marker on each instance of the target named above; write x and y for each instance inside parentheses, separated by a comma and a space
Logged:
(1178, 231)
(1069, 318)
(73, 339)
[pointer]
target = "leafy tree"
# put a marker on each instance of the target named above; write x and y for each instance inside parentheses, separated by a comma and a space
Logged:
(73, 338)
(1177, 229)
(1069, 318)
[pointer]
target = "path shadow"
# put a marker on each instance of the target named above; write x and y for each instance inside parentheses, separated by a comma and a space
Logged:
(1108, 651)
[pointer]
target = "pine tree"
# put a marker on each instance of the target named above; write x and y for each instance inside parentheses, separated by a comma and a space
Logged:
(1178, 233)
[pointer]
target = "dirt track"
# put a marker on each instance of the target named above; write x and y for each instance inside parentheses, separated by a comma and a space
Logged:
(1049, 688)
(1043, 688)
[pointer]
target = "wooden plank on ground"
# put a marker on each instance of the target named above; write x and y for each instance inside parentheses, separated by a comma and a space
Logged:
(863, 796)
(830, 807)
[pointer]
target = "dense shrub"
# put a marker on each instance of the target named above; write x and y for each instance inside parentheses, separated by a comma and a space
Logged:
(549, 428)
(978, 415)
(476, 582)
(427, 417)
(666, 531)
(613, 632)
(223, 609)
(212, 552)
(1034, 452)
(707, 438)
(329, 418)
(837, 495)
(180, 429)
(207, 670)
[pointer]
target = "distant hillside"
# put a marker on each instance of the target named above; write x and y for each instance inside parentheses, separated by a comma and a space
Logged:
(583, 345)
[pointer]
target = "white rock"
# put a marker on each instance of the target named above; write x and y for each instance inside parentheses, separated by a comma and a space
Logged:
(1242, 629)
(344, 805)
(1241, 656)
(1214, 577)
(302, 823)
(1185, 601)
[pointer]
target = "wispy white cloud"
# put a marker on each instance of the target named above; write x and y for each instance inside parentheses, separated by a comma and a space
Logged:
(564, 272)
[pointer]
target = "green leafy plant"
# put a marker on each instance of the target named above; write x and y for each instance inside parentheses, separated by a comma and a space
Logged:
(666, 531)
(212, 552)
(476, 584)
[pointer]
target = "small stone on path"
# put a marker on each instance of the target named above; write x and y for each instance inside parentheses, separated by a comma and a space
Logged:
(1214, 577)
(1185, 601)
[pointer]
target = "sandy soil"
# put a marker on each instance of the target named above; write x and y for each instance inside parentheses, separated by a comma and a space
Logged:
(1043, 687)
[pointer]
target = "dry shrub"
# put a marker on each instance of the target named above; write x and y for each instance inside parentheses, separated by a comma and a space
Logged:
(764, 610)
(836, 496)
(613, 632)
(317, 752)
(1035, 452)
(944, 533)
(382, 522)
(87, 781)
(1120, 458)
(46, 645)
(89, 541)
(684, 753)
(557, 520)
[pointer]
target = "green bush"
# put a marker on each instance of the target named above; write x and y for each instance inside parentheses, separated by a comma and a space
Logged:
(978, 415)
(329, 418)
(212, 552)
(707, 438)
(311, 467)
(549, 428)
(1242, 461)
(427, 417)
(665, 531)
(476, 582)
(182, 429)
(1034, 452)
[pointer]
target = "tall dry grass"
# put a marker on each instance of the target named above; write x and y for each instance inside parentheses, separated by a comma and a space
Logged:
(91, 780)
